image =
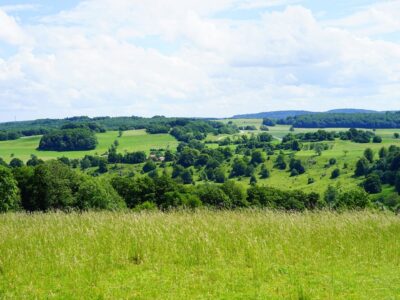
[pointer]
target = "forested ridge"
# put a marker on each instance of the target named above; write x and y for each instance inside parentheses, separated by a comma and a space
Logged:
(343, 120)
(154, 125)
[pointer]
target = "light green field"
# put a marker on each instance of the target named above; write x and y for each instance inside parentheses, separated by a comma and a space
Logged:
(315, 167)
(203, 255)
(344, 152)
(133, 140)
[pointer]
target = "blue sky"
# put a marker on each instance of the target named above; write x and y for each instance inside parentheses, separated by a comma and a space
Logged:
(196, 58)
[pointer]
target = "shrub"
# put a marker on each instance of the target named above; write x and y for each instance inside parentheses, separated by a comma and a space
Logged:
(335, 174)
(145, 206)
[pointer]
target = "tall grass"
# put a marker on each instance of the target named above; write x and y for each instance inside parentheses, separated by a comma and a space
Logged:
(202, 255)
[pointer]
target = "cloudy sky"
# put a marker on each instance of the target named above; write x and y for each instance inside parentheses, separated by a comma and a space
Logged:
(196, 57)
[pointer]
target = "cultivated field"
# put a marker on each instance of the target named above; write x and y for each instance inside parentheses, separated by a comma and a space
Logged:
(203, 255)
(132, 140)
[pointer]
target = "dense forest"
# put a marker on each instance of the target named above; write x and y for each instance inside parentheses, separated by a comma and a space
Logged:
(344, 120)
(354, 135)
(283, 114)
(76, 139)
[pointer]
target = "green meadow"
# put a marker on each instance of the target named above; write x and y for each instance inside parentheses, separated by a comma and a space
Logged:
(200, 255)
(345, 152)
(132, 140)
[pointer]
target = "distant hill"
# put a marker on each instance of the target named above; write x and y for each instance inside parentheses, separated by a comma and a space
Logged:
(283, 114)
(351, 111)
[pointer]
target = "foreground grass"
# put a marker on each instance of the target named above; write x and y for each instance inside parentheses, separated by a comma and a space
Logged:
(203, 255)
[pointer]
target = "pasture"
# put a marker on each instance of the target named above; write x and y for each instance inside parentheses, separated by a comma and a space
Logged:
(200, 255)
(132, 140)
(345, 152)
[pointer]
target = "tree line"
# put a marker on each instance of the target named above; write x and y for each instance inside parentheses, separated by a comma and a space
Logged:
(52, 185)
(344, 120)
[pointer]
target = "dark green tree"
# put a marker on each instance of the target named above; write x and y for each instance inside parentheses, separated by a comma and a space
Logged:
(149, 166)
(16, 163)
(362, 167)
(9, 192)
(335, 174)
(372, 184)
(369, 155)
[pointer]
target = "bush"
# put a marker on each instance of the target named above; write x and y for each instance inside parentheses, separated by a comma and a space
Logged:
(335, 174)
(145, 206)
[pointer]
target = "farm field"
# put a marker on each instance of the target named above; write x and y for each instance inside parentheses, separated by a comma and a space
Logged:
(132, 140)
(200, 255)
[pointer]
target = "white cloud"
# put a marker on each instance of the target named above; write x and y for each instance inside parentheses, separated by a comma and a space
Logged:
(251, 4)
(18, 7)
(94, 60)
(10, 31)
(376, 19)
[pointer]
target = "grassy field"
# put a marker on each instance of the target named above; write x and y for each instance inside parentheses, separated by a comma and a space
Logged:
(133, 140)
(345, 152)
(203, 255)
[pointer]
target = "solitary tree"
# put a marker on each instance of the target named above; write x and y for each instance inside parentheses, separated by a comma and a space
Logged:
(369, 154)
